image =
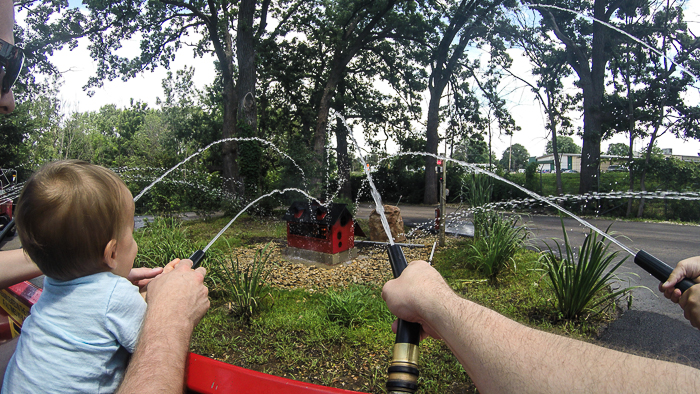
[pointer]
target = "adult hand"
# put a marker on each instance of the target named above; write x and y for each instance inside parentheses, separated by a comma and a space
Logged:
(177, 300)
(688, 268)
(410, 296)
(179, 295)
(690, 300)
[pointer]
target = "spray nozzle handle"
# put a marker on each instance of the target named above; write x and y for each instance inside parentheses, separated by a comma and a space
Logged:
(659, 269)
(407, 332)
(197, 258)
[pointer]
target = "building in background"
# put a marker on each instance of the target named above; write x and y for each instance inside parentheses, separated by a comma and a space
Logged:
(572, 162)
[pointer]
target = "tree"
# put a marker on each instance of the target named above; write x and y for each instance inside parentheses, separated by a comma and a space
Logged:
(163, 27)
(515, 158)
(550, 68)
(564, 145)
(665, 88)
(472, 150)
(457, 26)
(352, 29)
(618, 149)
(656, 102)
(588, 47)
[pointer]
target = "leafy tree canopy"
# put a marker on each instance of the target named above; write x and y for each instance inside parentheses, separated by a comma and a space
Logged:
(618, 149)
(564, 145)
(515, 157)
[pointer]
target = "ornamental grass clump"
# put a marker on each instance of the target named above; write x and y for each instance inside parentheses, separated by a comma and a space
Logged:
(247, 286)
(478, 195)
(578, 280)
(162, 240)
(354, 306)
(498, 245)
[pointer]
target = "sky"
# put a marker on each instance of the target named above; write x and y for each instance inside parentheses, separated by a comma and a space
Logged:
(77, 66)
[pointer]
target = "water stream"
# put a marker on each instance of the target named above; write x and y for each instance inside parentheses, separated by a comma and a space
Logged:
(373, 189)
(250, 205)
(241, 139)
(534, 195)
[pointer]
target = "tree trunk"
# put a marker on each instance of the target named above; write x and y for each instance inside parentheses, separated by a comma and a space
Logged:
(246, 106)
(430, 195)
(590, 152)
(341, 136)
(631, 126)
(631, 189)
(322, 121)
(647, 159)
(230, 149)
(592, 83)
(223, 47)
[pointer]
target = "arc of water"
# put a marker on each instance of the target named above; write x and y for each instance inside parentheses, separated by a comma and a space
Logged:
(277, 191)
(238, 139)
(624, 33)
(524, 190)
(375, 194)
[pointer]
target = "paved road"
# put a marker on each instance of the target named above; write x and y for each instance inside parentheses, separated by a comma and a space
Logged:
(653, 325)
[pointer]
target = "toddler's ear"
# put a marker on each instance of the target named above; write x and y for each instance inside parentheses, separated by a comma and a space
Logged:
(110, 254)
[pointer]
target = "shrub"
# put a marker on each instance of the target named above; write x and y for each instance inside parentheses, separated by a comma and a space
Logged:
(478, 194)
(497, 246)
(247, 286)
(161, 241)
(577, 280)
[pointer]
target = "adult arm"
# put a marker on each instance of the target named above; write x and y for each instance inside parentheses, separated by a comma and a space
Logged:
(16, 266)
(502, 356)
(177, 300)
(690, 299)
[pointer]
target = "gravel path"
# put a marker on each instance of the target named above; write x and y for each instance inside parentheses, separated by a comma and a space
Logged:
(371, 266)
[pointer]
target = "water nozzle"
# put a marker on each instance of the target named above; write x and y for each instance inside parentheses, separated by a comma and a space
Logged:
(659, 269)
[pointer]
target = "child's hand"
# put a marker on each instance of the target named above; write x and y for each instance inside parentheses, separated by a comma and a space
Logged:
(141, 276)
(170, 266)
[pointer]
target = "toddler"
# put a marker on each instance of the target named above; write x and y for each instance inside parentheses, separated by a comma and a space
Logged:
(76, 222)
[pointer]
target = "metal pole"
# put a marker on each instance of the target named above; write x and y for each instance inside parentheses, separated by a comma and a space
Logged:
(443, 190)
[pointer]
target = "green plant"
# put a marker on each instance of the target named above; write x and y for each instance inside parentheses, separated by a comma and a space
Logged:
(161, 241)
(354, 306)
(500, 241)
(247, 285)
(478, 194)
(578, 279)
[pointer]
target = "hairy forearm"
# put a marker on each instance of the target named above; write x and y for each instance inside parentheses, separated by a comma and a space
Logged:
(15, 267)
(158, 364)
(503, 356)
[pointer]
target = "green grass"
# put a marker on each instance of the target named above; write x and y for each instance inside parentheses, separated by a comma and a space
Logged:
(342, 337)
(522, 293)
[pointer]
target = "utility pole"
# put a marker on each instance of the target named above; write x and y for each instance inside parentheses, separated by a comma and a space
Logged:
(443, 192)
(510, 155)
